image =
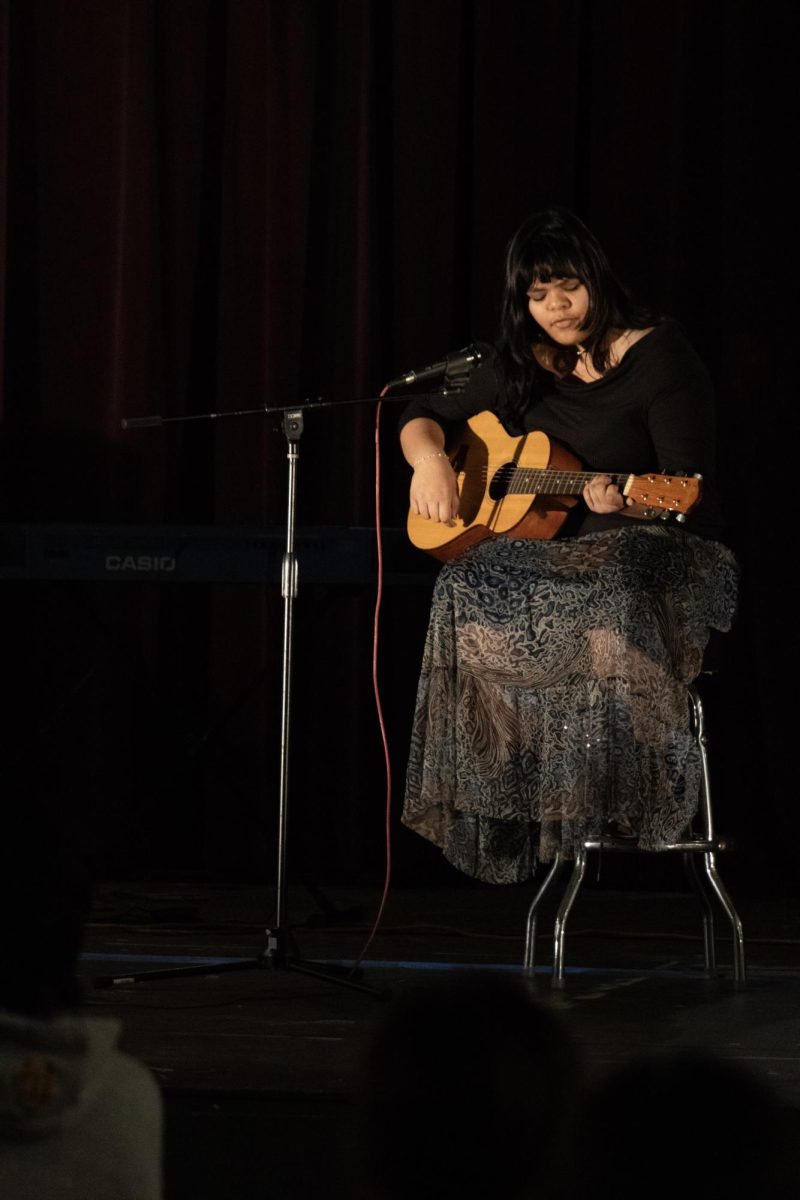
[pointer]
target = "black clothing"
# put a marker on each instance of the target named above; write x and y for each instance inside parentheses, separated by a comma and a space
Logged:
(654, 411)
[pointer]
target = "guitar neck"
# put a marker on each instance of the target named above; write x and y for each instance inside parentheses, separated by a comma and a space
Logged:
(548, 482)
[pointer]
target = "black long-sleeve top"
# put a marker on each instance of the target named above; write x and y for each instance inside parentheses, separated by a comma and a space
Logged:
(654, 411)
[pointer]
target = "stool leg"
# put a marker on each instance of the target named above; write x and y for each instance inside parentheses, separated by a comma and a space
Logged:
(739, 968)
(698, 719)
(530, 928)
(575, 881)
(708, 912)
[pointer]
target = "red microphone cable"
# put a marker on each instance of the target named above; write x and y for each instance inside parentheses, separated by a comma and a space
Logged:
(376, 688)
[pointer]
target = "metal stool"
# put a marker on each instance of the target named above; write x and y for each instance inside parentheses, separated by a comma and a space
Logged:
(707, 844)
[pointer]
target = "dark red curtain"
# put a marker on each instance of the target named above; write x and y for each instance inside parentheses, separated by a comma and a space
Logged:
(207, 206)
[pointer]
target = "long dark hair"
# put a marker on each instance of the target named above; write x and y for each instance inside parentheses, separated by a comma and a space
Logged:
(555, 244)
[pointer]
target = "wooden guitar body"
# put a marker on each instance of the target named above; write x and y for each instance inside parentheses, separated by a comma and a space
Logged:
(478, 452)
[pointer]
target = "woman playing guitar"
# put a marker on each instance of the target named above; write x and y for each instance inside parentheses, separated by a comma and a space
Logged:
(552, 700)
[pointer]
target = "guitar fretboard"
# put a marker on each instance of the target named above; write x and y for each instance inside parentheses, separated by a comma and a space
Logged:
(546, 482)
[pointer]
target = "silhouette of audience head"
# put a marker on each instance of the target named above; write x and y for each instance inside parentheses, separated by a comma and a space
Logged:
(467, 1091)
(45, 893)
(683, 1123)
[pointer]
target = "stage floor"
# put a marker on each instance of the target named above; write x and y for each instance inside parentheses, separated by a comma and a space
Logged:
(259, 1067)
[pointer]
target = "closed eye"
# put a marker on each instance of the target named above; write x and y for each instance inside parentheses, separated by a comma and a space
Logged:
(565, 285)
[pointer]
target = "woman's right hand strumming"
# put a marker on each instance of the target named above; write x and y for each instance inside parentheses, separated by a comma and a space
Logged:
(434, 491)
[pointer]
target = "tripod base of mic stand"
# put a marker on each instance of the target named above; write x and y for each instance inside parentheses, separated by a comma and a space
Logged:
(274, 957)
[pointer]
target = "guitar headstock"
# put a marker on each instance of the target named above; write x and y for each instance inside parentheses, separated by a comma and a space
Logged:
(677, 494)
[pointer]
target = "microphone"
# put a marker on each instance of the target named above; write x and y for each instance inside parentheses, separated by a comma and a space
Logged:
(454, 370)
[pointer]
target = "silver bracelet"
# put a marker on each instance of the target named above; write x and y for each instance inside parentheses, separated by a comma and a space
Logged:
(425, 457)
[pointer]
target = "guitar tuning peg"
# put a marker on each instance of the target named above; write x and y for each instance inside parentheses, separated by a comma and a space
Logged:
(681, 517)
(665, 515)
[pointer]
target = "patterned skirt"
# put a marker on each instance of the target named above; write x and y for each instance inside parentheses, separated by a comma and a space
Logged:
(553, 695)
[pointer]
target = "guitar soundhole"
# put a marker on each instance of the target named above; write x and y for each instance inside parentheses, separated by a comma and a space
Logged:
(501, 482)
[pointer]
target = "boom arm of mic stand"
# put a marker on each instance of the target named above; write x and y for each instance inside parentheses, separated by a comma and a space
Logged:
(157, 422)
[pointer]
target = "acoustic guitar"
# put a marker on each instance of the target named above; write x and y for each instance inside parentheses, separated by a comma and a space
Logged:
(524, 487)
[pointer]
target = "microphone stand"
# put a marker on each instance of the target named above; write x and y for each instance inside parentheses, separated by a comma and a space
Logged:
(279, 952)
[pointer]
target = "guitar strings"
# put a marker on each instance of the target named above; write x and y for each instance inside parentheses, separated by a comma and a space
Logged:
(548, 481)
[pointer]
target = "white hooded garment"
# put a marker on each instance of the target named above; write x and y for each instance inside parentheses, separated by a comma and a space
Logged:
(78, 1118)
